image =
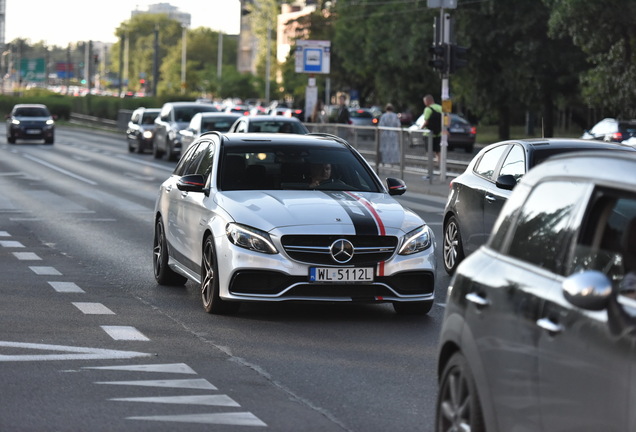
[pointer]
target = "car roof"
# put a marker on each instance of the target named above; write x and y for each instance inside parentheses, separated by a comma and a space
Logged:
(30, 106)
(264, 118)
(323, 140)
(536, 143)
(600, 167)
(189, 103)
(218, 114)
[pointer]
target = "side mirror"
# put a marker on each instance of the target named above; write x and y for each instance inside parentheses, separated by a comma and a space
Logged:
(191, 183)
(507, 182)
(395, 186)
(589, 290)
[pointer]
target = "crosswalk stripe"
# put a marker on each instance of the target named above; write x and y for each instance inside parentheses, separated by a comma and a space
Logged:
(208, 400)
(180, 368)
(234, 419)
(197, 383)
(124, 333)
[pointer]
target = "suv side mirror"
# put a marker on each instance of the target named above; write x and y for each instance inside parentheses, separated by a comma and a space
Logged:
(506, 181)
(589, 290)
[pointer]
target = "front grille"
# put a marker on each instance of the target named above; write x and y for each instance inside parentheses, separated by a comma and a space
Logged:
(315, 249)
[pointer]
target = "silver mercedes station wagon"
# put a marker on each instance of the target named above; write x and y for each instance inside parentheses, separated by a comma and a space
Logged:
(288, 217)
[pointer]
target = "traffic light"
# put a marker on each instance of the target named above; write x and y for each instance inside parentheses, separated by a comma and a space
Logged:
(458, 58)
(439, 56)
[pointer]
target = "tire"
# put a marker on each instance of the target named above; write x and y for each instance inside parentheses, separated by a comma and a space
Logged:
(453, 250)
(458, 406)
(412, 308)
(212, 302)
(164, 275)
(10, 139)
(469, 148)
(131, 149)
(49, 141)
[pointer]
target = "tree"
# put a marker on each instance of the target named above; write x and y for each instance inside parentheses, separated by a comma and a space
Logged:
(604, 30)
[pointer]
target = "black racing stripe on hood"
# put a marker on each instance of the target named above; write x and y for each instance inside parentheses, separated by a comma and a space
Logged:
(362, 219)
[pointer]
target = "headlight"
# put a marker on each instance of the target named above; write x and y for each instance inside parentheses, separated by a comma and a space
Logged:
(250, 238)
(15, 121)
(147, 134)
(50, 122)
(416, 241)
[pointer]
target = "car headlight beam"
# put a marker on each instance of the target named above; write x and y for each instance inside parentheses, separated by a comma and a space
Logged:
(250, 238)
(416, 241)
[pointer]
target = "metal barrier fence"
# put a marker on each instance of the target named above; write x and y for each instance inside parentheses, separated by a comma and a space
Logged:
(416, 152)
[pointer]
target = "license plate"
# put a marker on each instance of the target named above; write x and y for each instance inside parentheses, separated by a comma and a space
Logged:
(456, 130)
(33, 131)
(336, 275)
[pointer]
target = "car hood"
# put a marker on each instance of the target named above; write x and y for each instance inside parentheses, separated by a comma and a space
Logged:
(333, 212)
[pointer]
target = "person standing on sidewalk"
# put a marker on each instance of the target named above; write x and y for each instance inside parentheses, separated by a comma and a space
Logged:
(433, 122)
(389, 139)
(343, 117)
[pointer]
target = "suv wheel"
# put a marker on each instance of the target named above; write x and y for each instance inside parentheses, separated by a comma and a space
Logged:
(458, 406)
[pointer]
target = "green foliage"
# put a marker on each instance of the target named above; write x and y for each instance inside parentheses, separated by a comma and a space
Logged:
(604, 30)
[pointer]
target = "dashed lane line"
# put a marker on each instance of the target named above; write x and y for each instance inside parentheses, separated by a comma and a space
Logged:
(179, 368)
(208, 400)
(45, 271)
(66, 287)
(93, 308)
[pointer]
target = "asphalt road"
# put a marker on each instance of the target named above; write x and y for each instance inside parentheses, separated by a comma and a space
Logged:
(88, 340)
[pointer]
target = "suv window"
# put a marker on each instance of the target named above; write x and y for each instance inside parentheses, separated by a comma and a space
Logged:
(488, 162)
(515, 163)
(544, 227)
(608, 239)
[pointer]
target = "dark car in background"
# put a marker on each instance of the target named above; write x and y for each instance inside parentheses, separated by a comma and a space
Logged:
(612, 130)
(461, 134)
(269, 124)
(207, 122)
(30, 122)
(140, 131)
(175, 116)
(478, 194)
(364, 117)
(539, 330)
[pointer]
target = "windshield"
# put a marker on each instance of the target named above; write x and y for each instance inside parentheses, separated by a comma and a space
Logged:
(275, 126)
(288, 167)
(31, 112)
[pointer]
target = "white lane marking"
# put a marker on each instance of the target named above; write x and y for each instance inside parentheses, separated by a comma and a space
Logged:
(4, 234)
(66, 287)
(45, 270)
(27, 256)
(93, 308)
(124, 333)
(197, 383)
(60, 170)
(210, 400)
(11, 244)
(234, 419)
(70, 353)
(180, 368)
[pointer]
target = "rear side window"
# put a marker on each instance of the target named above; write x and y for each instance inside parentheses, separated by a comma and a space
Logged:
(488, 163)
(544, 229)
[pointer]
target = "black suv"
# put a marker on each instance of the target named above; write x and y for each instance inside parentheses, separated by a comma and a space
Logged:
(539, 332)
(30, 122)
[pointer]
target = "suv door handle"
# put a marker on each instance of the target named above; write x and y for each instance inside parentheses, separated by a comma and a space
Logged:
(477, 299)
(550, 326)
(491, 198)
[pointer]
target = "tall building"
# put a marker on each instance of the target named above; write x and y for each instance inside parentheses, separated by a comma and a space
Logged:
(164, 8)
